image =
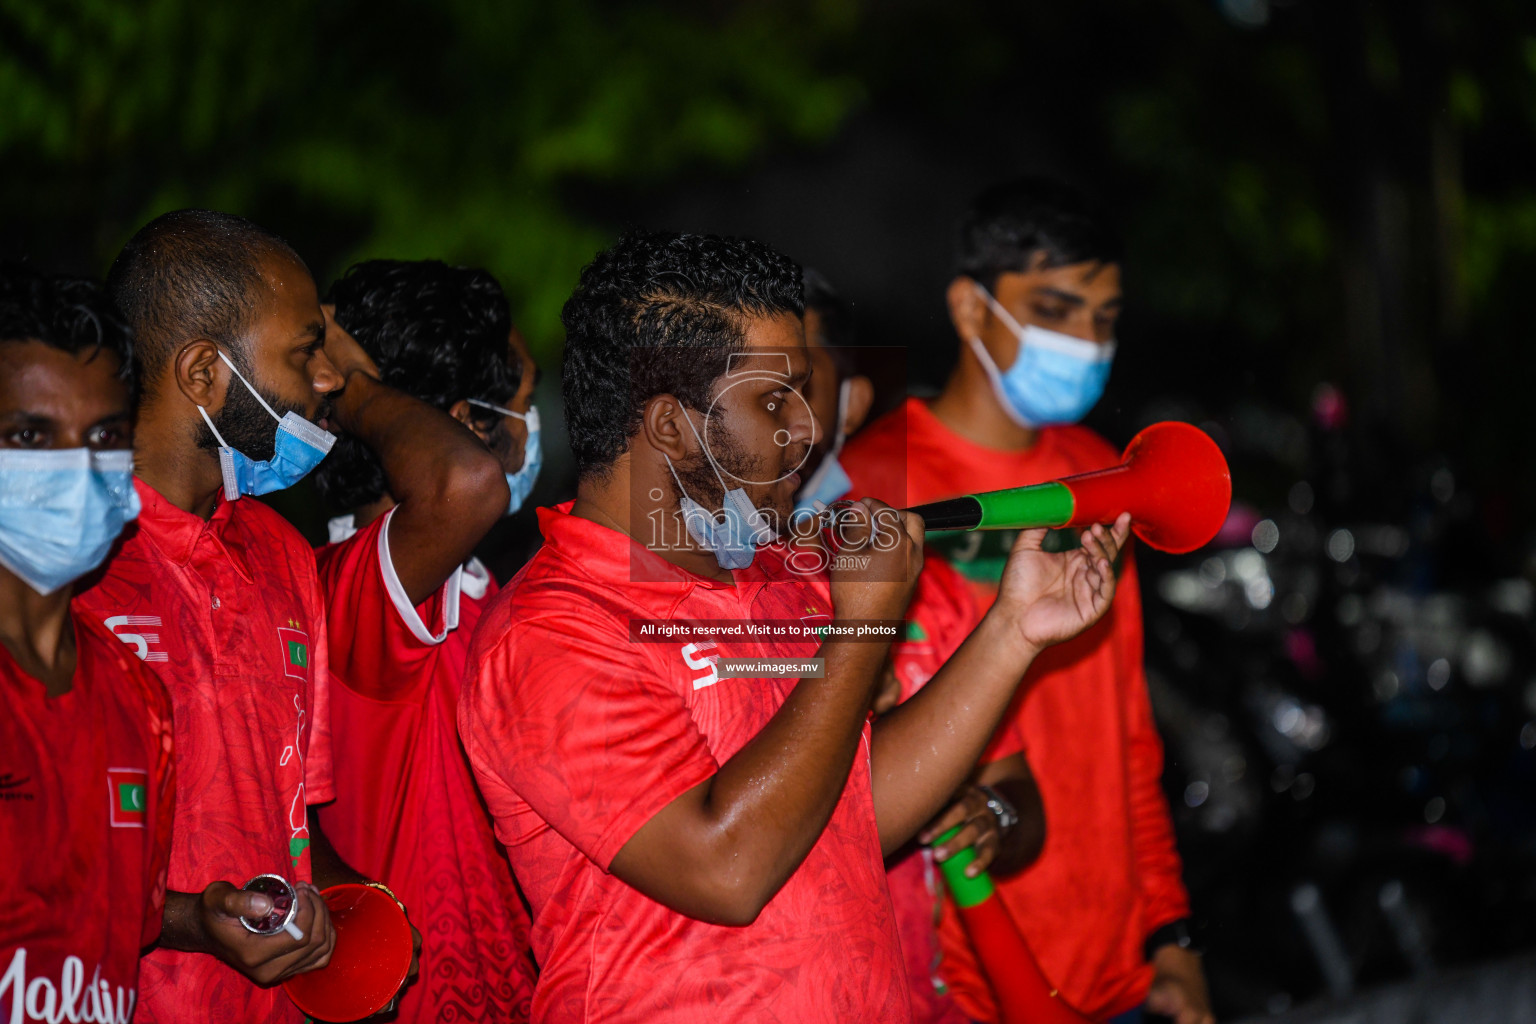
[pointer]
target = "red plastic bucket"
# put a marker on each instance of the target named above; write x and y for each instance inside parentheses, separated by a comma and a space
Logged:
(368, 965)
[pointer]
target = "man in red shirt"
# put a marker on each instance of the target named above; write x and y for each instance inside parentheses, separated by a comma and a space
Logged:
(427, 474)
(1034, 304)
(695, 846)
(218, 594)
(87, 783)
(1001, 813)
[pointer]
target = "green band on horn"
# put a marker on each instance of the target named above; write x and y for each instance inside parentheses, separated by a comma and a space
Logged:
(1023, 508)
(967, 891)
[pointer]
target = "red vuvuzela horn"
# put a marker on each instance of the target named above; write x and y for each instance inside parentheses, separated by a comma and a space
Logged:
(1173, 480)
(371, 958)
(1021, 991)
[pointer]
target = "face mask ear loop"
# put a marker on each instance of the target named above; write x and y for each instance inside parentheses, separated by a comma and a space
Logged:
(209, 420)
(524, 416)
(680, 489)
(995, 378)
(1001, 313)
(840, 435)
(710, 458)
(236, 370)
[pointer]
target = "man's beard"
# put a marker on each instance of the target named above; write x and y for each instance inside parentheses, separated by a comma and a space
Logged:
(736, 464)
(244, 424)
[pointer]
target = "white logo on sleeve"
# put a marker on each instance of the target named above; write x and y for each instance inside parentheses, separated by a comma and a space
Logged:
(695, 658)
(140, 642)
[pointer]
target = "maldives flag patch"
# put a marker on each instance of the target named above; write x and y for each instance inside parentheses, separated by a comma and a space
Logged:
(295, 644)
(127, 797)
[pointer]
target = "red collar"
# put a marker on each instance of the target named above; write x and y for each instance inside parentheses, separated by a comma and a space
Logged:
(177, 533)
(610, 557)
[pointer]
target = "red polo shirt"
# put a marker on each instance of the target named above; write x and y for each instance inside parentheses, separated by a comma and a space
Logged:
(406, 809)
(87, 787)
(1109, 874)
(228, 614)
(578, 736)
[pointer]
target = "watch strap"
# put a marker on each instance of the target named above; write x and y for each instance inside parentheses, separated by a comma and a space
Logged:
(1007, 814)
(1174, 933)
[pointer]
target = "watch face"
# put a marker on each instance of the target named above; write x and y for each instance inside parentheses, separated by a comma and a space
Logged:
(285, 904)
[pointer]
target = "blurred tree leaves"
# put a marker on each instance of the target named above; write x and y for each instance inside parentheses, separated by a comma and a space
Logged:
(1314, 189)
(447, 129)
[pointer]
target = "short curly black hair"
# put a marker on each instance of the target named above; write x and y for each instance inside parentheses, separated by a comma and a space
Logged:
(436, 332)
(72, 314)
(1032, 221)
(660, 313)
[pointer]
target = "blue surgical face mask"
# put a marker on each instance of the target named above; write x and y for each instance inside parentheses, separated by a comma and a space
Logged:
(521, 483)
(735, 536)
(299, 447)
(61, 510)
(830, 481)
(1055, 378)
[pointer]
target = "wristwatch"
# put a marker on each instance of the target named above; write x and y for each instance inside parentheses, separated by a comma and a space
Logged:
(1007, 817)
(1174, 933)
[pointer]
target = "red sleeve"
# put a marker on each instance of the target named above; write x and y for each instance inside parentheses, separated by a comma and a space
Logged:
(1164, 898)
(584, 727)
(379, 642)
(319, 787)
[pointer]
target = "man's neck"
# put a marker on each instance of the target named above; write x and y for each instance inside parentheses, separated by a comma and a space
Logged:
(35, 629)
(611, 502)
(968, 406)
(365, 514)
(166, 457)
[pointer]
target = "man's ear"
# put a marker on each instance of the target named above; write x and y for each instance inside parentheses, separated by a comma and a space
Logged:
(662, 427)
(861, 395)
(197, 370)
(460, 411)
(967, 309)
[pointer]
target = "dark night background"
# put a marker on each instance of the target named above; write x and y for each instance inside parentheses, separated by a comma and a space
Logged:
(1330, 209)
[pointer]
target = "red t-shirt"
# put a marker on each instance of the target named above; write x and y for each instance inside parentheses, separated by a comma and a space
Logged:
(228, 614)
(87, 791)
(579, 736)
(406, 809)
(941, 615)
(1109, 874)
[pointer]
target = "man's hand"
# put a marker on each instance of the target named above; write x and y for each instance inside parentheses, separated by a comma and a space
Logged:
(1178, 987)
(265, 959)
(892, 541)
(343, 350)
(1054, 597)
(979, 830)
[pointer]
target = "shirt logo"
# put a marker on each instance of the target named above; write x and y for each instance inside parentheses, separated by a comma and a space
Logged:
(71, 996)
(295, 644)
(694, 657)
(140, 642)
(127, 797)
